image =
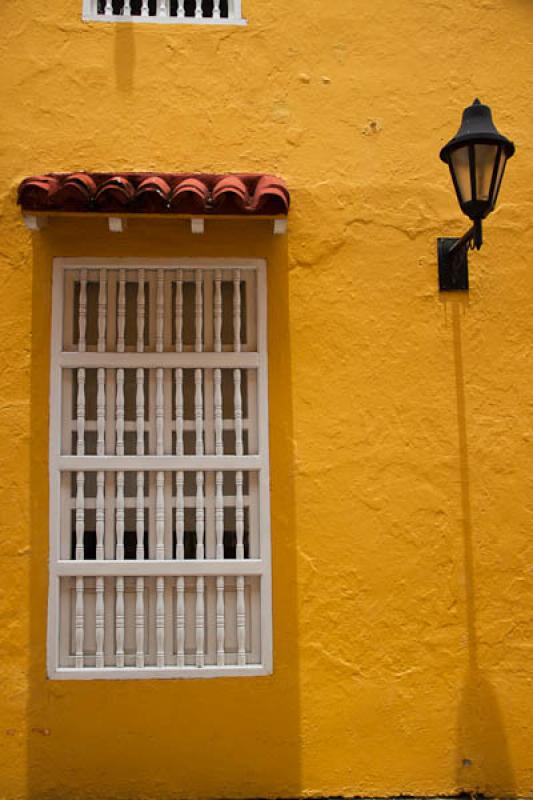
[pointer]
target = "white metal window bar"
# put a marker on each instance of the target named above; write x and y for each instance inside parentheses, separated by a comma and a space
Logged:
(214, 12)
(159, 507)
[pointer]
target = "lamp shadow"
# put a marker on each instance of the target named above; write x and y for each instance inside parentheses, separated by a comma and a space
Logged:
(483, 758)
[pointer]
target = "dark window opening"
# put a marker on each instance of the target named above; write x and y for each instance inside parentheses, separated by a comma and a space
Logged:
(89, 545)
(189, 8)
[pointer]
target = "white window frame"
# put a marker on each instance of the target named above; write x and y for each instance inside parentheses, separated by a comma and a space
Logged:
(260, 567)
(234, 18)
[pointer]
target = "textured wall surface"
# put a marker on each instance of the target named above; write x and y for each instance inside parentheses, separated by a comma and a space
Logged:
(401, 421)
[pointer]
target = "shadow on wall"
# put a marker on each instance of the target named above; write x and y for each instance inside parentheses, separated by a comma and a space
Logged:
(483, 754)
(182, 739)
(124, 56)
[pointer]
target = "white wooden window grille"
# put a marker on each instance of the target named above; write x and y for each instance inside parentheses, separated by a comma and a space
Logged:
(216, 12)
(159, 508)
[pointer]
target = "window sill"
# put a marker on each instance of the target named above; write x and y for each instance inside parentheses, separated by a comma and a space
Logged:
(163, 20)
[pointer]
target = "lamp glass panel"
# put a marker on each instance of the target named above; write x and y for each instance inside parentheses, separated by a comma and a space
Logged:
(485, 162)
(460, 165)
(499, 176)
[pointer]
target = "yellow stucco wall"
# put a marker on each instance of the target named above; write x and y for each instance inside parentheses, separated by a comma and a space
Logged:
(401, 421)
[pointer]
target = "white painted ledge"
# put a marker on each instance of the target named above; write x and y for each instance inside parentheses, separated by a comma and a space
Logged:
(163, 20)
(132, 673)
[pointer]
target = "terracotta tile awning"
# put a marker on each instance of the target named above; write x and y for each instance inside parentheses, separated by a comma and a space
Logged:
(155, 193)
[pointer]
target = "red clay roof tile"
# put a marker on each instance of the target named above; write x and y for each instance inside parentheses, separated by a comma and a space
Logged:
(142, 192)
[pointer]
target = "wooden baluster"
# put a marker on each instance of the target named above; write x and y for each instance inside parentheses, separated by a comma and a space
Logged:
(99, 623)
(162, 8)
(139, 623)
(120, 413)
(200, 616)
(239, 515)
(160, 311)
(237, 310)
(198, 11)
(180, 517)
(181, 9)
(160, 621)
(80, 515)
(179, 411)
(126, 9)
(100, 412)
(82, 312)
(198, 412)
(198, 312)
(108, 8)
(139, 404)
(216, 9)
(119, 617)
(159, 412)
(139, 517)
(218, 311)
(180, 621)
(145, 11)
(200, 516)
(100, 516)
(141, 308)
(237, 404)
(121, 311)
(79, 622)
(179, 311)
(219, 516)
(102, 311)
(120, 516)
(80, 413)
(241, 622)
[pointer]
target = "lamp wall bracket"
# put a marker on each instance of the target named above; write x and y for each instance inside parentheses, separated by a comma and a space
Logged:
(453, 258)
(453, 265)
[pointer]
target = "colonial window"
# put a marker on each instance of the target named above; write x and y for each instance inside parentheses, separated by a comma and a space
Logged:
(176, 11)
(159, 507)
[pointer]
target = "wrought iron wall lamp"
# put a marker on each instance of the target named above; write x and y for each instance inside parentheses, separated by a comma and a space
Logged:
(476, 156)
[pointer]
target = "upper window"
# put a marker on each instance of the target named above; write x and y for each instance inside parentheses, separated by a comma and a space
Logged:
(176, 11)
(159, 509)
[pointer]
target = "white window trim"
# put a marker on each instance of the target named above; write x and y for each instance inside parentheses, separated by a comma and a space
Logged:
(235, 19)
(57, 463)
